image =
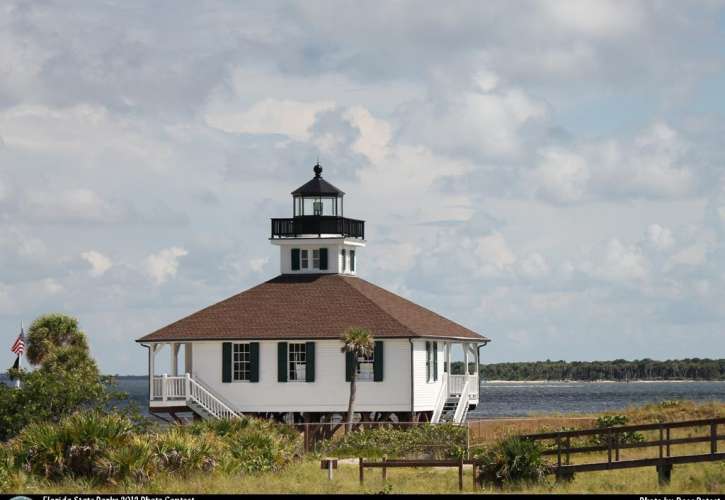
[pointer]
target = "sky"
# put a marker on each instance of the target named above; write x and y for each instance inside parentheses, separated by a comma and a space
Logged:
(550, 174)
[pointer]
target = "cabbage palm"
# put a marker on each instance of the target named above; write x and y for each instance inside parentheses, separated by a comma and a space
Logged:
(51, 331)
(360, 343)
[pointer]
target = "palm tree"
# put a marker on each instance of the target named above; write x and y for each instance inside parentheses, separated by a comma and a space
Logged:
(360, 343)
(52, 331)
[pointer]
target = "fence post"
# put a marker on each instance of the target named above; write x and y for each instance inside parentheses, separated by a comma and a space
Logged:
(307, 437)
(460, 473)
(163, 387)
(609, 447)
(362, 471)
(668, 441)
(661, 441)
(385, 469)
(713, 437)
(558, 455)
(568, 446)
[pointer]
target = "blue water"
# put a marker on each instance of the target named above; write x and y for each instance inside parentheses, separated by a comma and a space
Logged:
(519, 399)
(522, 399)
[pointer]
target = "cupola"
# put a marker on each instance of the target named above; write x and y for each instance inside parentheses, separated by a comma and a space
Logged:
(318, 238)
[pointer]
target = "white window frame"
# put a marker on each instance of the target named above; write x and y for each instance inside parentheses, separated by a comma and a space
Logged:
(242, 356)
(344, 260)
(304, 258)
(296, 357)
(366, 368)
(316, 258)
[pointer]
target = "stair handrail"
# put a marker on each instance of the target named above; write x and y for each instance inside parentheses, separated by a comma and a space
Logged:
(462, 404)
(200, 395)
(441, 401)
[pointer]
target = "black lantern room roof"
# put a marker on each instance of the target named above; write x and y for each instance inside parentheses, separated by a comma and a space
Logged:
(317, 186)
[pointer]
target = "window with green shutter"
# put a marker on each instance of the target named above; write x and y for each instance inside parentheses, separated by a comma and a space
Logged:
(378, 361)
(427, 361)
(310, 369)
(323, 259)
(435, 361)
(295, 259)
(348, 366)
(226, 362)
(281, 361)
(254, 361)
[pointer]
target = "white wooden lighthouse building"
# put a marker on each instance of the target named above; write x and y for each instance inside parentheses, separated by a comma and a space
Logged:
(274, 350)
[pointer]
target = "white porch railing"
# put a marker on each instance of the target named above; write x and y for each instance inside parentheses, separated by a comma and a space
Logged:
(185, 388)
(456, 383)
(440, 403)
(462, 404)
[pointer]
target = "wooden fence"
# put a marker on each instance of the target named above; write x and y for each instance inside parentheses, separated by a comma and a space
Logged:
(610, 440)
(391, 463)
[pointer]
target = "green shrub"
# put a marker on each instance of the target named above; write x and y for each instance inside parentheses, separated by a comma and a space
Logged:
(136, 461)
(607, 421)
(422, 441)
(71, 446)
(514, 460)
(182, 452)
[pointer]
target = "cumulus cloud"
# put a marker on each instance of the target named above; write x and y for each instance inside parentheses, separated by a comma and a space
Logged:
(99, 263)
(163, 265)
(542, 172)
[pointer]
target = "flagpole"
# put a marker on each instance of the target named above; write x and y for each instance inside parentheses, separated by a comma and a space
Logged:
(20, 360)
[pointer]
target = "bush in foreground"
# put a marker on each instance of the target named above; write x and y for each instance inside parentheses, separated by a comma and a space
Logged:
(106, 448)
(512, 461)
(422, 441)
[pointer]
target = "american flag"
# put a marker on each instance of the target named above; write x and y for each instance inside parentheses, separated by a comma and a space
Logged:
(19, 345)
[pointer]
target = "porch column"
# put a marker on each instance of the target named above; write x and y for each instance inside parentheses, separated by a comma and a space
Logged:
(153, 350)
(465, 359)
(174, 359)
(188, 361)
(448, 360)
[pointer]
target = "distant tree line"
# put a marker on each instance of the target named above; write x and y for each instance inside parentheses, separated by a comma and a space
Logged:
(619, 369)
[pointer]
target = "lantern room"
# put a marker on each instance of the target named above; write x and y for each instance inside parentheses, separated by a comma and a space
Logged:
(318, 198)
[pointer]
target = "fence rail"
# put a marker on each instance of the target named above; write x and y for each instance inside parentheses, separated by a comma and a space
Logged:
(611, 438)
(394, 463)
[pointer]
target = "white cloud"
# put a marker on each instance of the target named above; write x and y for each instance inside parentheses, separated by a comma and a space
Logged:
(99, 263)
(163, 265)
(493, 249)
(659, 236)
(269, 116)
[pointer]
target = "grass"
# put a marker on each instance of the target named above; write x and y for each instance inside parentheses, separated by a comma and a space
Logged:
(306, 477)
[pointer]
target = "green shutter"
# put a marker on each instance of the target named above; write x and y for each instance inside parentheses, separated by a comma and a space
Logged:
(348, 366)
(378, 361)
(281, 361)
(352, 260)
(323, 259)
(295, 259)
(427, 361)
(435, 361)
(309, 362)
(254, 362)
(226, 362)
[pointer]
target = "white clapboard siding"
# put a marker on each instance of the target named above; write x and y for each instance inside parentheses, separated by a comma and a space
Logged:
(426, 393)
(329, 392)
(334, 258)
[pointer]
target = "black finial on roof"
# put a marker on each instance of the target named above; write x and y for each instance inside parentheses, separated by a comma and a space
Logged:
(318, 170)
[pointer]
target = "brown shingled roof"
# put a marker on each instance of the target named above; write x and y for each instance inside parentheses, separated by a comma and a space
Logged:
(311, 306)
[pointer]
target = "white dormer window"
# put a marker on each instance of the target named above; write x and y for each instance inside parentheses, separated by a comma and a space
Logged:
(344, 260)
(315, 259)
(305, 260)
